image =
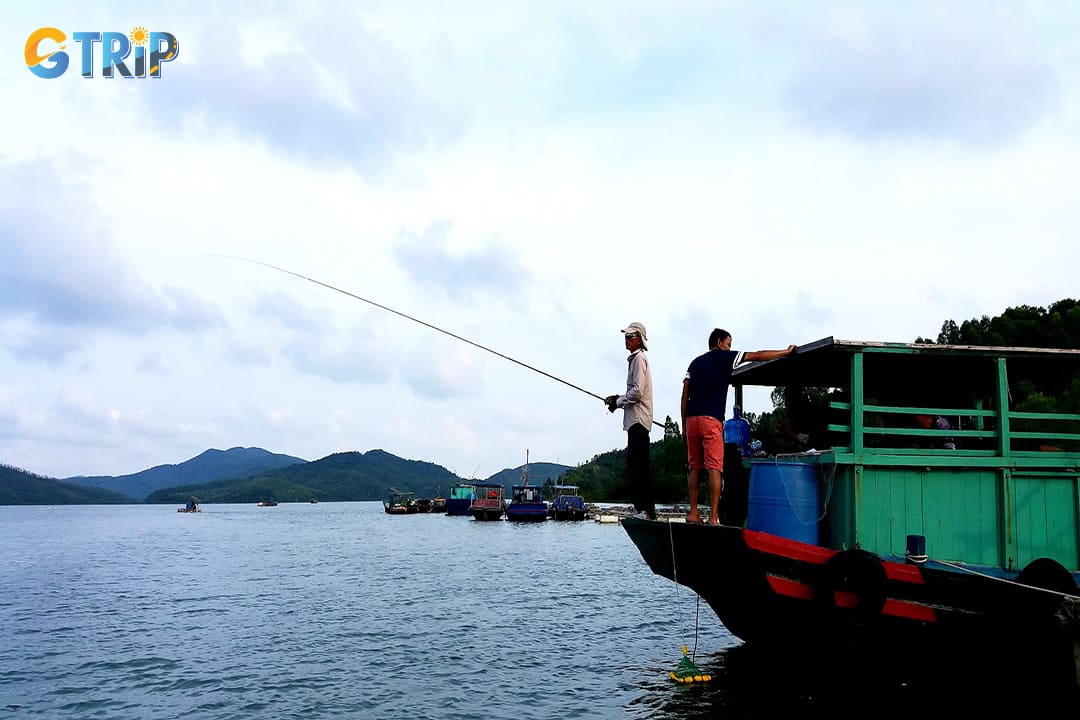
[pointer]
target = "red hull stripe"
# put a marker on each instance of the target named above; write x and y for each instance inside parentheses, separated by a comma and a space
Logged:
(843, 599)
(904, 573)
(910, 610)
(775, 545)
(791, 588)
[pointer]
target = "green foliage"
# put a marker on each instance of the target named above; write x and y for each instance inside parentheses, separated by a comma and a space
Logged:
(339, 477)
(604, 479)
(1055, 326)
(19, 487)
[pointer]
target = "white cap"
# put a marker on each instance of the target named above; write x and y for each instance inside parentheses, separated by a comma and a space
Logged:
(636, 327)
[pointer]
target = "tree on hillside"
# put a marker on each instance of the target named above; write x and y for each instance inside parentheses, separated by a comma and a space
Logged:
(1055, 326)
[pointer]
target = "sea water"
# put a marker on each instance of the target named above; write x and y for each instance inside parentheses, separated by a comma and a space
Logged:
(338, 610)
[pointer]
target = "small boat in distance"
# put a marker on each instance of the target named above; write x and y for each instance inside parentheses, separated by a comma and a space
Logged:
(567, 503)
(192, 506)
(438, 503)
(527, 501)
(401, 503)
(461, 498)
(527, 504)
(489, 503)
(268, 503)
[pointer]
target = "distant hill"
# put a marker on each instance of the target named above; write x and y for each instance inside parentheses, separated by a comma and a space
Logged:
(19, 487)
(242, 475)
(342, 476)
(210, 466)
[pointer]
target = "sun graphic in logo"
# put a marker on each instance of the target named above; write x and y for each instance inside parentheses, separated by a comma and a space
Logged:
(139, 35)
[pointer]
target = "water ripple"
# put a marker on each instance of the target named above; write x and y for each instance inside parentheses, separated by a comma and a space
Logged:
(328, 611)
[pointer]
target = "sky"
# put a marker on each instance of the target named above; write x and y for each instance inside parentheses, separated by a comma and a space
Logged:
(531, 176)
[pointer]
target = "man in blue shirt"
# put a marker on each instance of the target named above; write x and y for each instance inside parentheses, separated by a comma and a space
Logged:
(704, 400)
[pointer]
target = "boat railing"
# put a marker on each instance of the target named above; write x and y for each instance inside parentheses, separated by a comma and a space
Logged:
(970, 432)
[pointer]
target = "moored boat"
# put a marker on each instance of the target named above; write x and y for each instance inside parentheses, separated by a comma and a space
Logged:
(460, 499)
(936, 541)
(527, 504)
(489, 502)
(567, 503)
(400, 502)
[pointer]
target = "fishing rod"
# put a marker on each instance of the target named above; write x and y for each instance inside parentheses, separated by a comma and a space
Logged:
(414, 319)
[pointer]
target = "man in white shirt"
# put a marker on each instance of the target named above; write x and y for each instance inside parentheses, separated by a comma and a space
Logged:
(637, 407)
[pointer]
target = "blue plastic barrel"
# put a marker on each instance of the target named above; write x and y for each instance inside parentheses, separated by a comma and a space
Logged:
(783, 500)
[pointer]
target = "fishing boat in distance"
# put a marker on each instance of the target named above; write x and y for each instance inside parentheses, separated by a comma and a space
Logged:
(527, 501)
(460, 499)
(527, 504)
(401, 502)
(567, 503)
(192, 506)
(268, 503)
(489, 503)
(933, 544)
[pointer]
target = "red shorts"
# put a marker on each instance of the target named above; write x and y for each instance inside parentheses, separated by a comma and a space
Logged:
(704, 443)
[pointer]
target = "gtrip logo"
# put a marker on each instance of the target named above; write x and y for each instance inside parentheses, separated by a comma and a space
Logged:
(46, 56)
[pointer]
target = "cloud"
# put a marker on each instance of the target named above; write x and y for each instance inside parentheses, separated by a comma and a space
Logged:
(493, 270)
(970, 77)
(322, 89)
(61, 270)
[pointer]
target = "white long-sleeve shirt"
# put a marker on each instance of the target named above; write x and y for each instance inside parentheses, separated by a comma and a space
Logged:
(637, 402)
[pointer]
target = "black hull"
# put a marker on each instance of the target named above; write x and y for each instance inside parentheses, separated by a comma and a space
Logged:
(568, 514)
(772, 591)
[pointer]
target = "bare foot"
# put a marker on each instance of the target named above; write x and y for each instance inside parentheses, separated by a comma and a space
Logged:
(693, 517)
(713, 521)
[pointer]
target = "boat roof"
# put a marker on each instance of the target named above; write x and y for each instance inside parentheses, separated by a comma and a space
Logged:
(565, 487)
(826, 362)
(487, 484)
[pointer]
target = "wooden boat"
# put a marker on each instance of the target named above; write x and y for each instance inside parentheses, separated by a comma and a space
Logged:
(431, 502)
(527, 501)
(567, 503)
(460, 499)
(489, 503)
(191, 506)
(401, 503)
(527, 504)
(899, 539)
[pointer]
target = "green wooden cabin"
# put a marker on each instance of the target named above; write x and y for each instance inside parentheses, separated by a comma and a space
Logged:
(999, 488)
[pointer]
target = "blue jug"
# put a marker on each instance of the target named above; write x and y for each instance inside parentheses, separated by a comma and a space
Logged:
(737, 432)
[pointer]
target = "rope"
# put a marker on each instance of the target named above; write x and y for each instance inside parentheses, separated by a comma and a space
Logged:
(961, 568)
(678, 605)
(674, 571)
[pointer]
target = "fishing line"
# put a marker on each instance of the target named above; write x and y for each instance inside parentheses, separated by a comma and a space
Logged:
(415, 320)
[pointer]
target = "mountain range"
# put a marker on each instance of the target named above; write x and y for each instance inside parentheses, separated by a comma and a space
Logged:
(254, 474)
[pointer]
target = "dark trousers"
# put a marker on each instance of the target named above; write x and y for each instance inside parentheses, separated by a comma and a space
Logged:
(735, 498)
(638, 469)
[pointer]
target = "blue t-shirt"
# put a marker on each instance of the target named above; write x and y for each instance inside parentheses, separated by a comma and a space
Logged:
(709, 376)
